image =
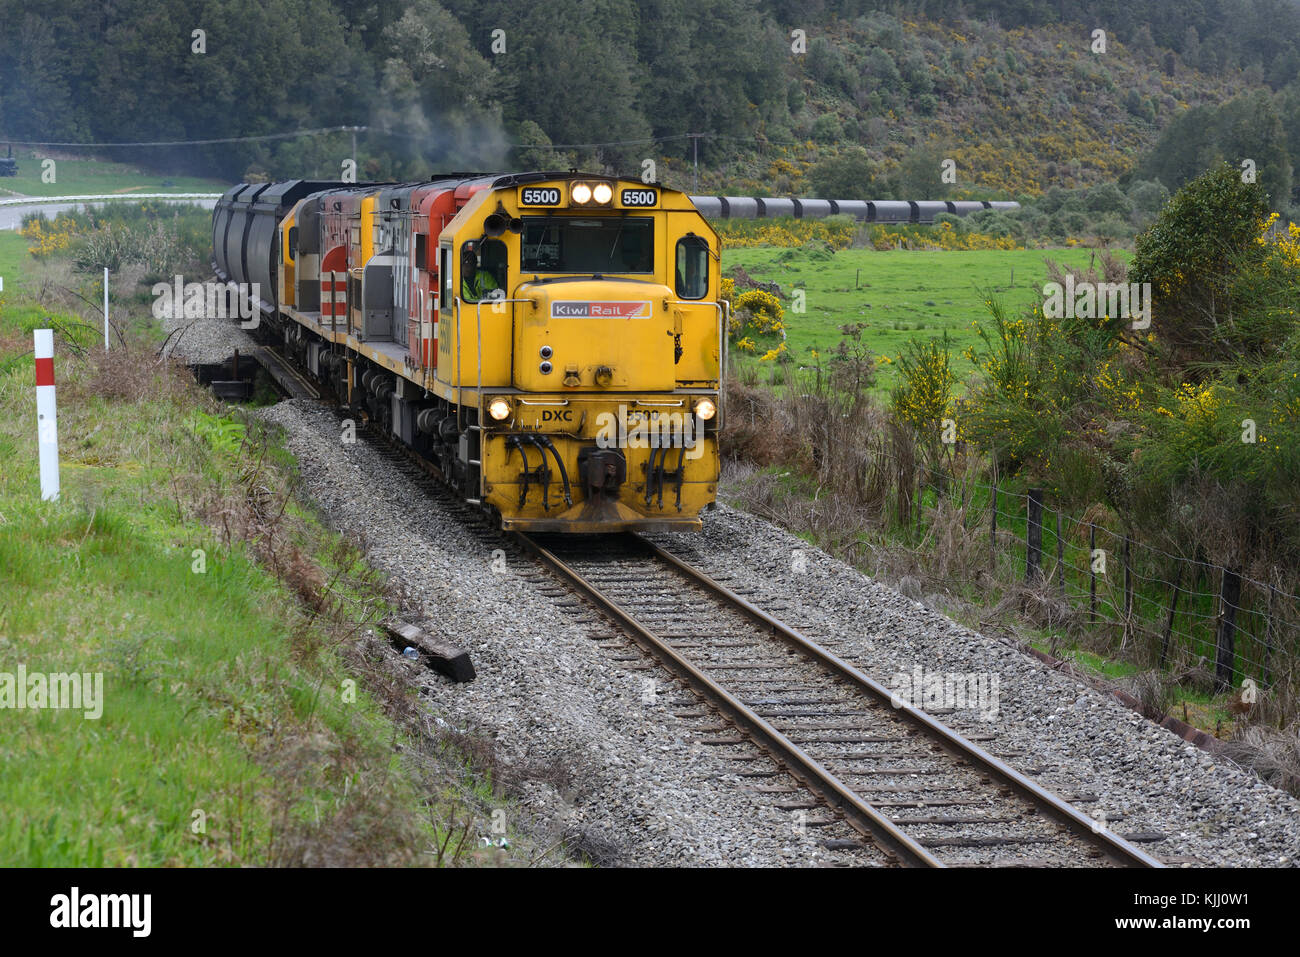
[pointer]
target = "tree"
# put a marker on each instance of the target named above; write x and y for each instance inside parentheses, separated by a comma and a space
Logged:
(850, 175)
(921, 175)
(1190, 254)
(438, 94)
(35, 95)
(1247, 127)
(1148, 196)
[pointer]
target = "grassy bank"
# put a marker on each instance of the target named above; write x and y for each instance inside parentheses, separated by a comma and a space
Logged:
(13, 257)
(77, 176)
(247, 716)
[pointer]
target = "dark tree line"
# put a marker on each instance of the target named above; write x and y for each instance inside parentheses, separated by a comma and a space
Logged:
(433, 85)
(573, 71)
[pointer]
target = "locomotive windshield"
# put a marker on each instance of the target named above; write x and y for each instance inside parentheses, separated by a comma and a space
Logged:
(588, 244)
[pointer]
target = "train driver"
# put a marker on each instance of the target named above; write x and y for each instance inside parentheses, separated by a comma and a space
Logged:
(476, 284)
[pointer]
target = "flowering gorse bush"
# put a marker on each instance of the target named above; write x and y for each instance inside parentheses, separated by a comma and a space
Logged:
(48, 237)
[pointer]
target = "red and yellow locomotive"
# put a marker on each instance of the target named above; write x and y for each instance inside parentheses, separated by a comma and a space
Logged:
(553, 342)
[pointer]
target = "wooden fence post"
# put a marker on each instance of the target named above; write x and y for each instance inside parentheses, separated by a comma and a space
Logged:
(1060, 555)
(1092, 574)
(993, 526)
(1268, 633)
(1225, 655)
(1128, 580)
(1173, 607)
(1034, 537)
(1128, 591)
(920, 498)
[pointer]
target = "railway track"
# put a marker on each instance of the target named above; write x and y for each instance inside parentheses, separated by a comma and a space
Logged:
(920, 791)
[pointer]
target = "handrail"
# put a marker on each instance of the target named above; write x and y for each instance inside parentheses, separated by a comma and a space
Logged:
(724, 319)
(460, 382)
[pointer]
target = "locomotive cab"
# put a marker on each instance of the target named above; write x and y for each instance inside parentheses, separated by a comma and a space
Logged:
(599, 388)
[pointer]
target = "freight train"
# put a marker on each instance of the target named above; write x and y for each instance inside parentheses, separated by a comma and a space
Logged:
(553, 341)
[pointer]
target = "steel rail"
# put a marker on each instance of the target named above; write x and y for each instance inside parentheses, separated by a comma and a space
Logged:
(1061, 811)
(883, 832)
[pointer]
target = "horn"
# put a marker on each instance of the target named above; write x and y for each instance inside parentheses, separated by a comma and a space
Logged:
(516, 224)
(495, 224)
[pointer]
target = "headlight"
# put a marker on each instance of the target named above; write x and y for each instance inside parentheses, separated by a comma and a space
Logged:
(706, 409)
(499, 409)
(602, 193)
(580, 194)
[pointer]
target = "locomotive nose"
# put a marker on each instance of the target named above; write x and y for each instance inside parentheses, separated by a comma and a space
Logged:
(597, 333)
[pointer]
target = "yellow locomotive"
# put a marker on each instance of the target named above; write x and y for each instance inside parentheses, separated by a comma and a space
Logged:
(553, 342)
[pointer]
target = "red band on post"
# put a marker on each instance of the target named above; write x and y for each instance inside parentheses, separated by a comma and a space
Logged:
(45, 371)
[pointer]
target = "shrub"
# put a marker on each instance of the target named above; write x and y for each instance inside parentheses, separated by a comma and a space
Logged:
(1196, 255)
(923, 397)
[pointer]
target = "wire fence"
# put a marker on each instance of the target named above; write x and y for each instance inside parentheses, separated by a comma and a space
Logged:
(1179, 613)
(1200, 623)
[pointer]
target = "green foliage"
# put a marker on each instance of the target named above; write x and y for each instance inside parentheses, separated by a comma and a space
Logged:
(164, 239)
(827, 128)
(1108, 198)
(224, 435)
(921, 175)
(1248, 127)
(850, 175)
(1232, 446)
(924, 394)
(1191, 256)
(1190, 431)
(435, 87)
(1044, 387)
(1148, 196)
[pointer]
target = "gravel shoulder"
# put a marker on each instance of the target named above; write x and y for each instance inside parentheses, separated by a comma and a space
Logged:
(206, 341)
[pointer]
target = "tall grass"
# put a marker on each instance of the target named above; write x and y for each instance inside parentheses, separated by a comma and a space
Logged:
(248, 719)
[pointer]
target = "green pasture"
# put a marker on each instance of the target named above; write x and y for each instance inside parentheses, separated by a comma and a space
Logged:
(82, 177)
(897, 294)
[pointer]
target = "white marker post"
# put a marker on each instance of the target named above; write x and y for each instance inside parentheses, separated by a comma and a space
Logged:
(105, 308)
(47, 435)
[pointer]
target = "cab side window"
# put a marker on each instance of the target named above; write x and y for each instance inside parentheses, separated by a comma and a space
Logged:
(493, 258)
(692, 267)
(483, 267)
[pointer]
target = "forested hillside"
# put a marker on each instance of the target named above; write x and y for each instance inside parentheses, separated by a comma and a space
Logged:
(791, 97)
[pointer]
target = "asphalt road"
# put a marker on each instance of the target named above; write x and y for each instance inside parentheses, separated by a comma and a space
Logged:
(14, 208)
